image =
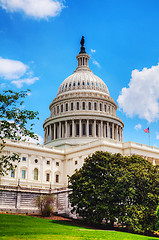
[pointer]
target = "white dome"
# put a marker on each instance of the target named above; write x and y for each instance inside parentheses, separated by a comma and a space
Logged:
(83, 79)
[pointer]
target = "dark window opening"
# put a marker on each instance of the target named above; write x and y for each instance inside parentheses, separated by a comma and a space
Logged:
(71, 106)
(77, 105)
(77, 129)
(90, 129)
(89, 105)
(84, 129)
(83, 105)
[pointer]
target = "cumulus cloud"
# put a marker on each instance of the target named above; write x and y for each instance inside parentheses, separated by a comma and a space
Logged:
(40, 9)
(138, 126)
(16, 72)
(141, 97)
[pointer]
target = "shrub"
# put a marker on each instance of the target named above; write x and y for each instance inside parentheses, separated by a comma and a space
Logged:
(45, 205)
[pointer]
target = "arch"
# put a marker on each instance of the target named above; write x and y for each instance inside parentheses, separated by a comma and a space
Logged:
(36, 174)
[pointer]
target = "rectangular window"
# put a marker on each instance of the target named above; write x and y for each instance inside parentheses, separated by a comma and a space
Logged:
(57, 178)
(61, 108)
(71, 106)
(100, 107)
(90, 129)
(48, 162)
(66, 107)
(47, 177)
(23, 174)
(89, 105)
(105, 108)
(77, 105)
(23, 159)
(77, 129)
(12, 173)
(57, 109)
(57, 164)
(84, 129)
(76, 162)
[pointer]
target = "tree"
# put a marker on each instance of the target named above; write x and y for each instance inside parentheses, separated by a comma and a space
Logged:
(13, 125)
(112, 188)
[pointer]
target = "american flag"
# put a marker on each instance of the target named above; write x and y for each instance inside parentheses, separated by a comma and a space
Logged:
(146, 130)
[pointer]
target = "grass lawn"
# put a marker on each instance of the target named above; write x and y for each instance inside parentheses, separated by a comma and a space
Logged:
(14, 227)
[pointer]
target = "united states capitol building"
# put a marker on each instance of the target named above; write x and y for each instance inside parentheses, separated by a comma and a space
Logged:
(82, 121)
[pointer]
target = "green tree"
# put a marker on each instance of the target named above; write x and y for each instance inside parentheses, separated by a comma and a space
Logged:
(13, 125)
(112, 188)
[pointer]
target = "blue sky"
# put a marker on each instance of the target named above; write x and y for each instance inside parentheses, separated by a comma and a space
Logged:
(39, 41)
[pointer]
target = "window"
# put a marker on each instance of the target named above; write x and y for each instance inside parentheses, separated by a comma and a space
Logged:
(61, 108)
(84, 128)
(88, 83)
(71, 106)
(48, 162)
(47, 177)
(23, 159)
(70, 130)
(76, 162)
(83, 83)
(89, 105)
(77, 129)
(83, 105)
(95, 106)
(12, 173)
(110, 132)
(100, 107)
(36, 160)
(66, 86)
(23, 174)
(70, 85)
(35, 174)
(97, 130)
(78, 83)
(57, 109)
(57, 178)
(66, 107)
(77, 105)
(105, 108)
(57, 164)
(90, 129)
(74, 84)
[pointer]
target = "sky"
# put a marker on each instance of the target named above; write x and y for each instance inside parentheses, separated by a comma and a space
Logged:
(39, 41)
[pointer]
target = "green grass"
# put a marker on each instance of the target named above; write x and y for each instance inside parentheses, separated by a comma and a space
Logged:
(14, 227)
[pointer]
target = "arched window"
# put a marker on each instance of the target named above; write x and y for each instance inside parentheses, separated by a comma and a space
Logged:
(97, 130)
(12, 173)
(62, 108)
(95, 106)
(70, 130)
(84, 129)
(105, 108)
(77, 105)
(47, 177)
(110, 132)
(83, 105)
(74, 84)
(57, 109)
(35, 174)
(83, 83)
(100, 107)
(89, 105)
(57, 178)
(66, 107)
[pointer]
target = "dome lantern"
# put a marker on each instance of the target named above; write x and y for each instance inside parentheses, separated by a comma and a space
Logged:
(82, 57)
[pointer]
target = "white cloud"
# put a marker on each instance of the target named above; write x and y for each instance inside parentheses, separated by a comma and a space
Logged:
(138, 126)
(96, 63)
(141, 98)
(93, 50)
(157, 135)
(40, 9)
(10, 69)
(32, 140)
(16, 72)
(27, 81)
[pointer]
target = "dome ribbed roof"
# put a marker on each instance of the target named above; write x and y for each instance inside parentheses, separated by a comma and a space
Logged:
(83, 79)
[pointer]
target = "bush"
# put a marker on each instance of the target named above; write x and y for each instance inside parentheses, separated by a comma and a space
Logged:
(45, 205)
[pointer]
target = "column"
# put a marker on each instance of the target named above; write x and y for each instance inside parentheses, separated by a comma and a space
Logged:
(101, 129)
(117, 132)
(87, 128)
(63, 130)
(54, 131)
(45, 135)
(59, 129)
(108, 130)
(94, 129)
(66, 129)
(80, 128)
(122, 134)
(50, 137)
(47, 130)
(73, 128)
(113, 131)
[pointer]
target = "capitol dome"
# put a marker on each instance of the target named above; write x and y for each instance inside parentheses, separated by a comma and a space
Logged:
(83, 110)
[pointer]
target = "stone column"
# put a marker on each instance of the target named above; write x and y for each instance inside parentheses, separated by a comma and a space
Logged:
(108, 130)
(80, 128)
(44, 135)
(101, 129)
(50, 136)
(54, 131)
(66, 129)
(117, 132)
(154, 162)
(47, 130)
(122, 134)
(94, 129)
(59, 129)
(113, 131)
(104, 134)
(73, 128)
(87, 128)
